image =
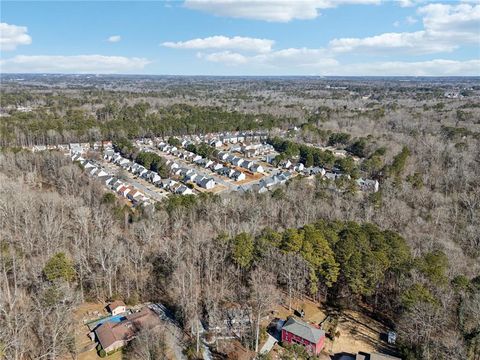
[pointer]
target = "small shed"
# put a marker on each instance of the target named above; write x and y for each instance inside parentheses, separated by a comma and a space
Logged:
(116, 307)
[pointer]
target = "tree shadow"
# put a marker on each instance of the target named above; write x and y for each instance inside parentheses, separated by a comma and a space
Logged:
(343, 356)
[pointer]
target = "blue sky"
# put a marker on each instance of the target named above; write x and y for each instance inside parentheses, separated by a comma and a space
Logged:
(242, 37)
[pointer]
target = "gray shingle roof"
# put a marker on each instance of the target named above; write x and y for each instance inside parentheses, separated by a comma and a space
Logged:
(304, 330)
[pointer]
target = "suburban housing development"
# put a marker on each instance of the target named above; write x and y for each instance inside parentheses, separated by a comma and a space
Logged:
(240, 180)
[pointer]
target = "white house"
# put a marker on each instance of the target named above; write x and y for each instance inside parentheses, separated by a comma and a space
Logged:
(237, 161)
(155, 177)
(184, 190)
(238, 176)
(216, 143)
(223, 155)
(102, 173)
(206, 183)
(191, 176)
(117, 307)
(257, 168)
(299, 167)
(247, 164)
(287, 164)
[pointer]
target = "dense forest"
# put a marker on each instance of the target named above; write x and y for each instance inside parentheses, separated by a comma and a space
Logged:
(49, 125)
(407, 255)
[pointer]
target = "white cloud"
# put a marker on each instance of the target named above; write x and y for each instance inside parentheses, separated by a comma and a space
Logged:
(224, 42)
(446, 27)
(287, 59)
(396, 23)
(410, 20)
(225, 57)
(12, 36)
(418, 42)
(96, 64)
(299, 57)
(114, 38)
(269, 10)
(292, 62)
(436, 67)
(459, 23)
(407, 3)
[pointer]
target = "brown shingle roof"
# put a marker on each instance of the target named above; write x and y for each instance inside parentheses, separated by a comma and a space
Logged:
(109, 332)
(115, 304)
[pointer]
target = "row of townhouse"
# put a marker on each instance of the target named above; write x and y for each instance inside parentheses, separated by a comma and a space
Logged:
(72, 148)
(253, 149)
(167, 148)
(174, 187)
(189, 175)
(250, 165)
(268, 183)
(122, 188)
(243, 136)
(216, 139)
(288, 165)
(198, 160)
(147, 175)
(367, 185)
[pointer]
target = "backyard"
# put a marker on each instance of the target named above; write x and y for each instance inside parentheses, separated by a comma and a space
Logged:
(354, 331)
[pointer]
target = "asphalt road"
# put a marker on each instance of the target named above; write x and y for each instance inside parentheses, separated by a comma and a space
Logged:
(157, 195)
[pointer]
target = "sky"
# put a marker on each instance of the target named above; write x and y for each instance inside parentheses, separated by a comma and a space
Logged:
(242, 37)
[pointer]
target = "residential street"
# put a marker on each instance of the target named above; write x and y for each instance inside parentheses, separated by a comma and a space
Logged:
(147, 188)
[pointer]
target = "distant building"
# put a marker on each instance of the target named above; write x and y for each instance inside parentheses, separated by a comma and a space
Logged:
(229, 318)
(452, 94)
(76, 148)
(368, 185)
(295, 331)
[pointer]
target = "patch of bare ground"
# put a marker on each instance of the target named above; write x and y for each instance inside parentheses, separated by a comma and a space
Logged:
(84, 347)
(354, 331)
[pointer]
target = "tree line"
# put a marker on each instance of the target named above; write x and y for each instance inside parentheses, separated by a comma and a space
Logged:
(48, 126)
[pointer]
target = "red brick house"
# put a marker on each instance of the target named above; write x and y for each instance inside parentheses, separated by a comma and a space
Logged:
(295, 331)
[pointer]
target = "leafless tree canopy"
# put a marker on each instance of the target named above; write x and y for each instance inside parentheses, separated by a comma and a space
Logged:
(184, 256)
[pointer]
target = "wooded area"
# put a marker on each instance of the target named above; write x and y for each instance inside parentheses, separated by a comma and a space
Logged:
(408, 254)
